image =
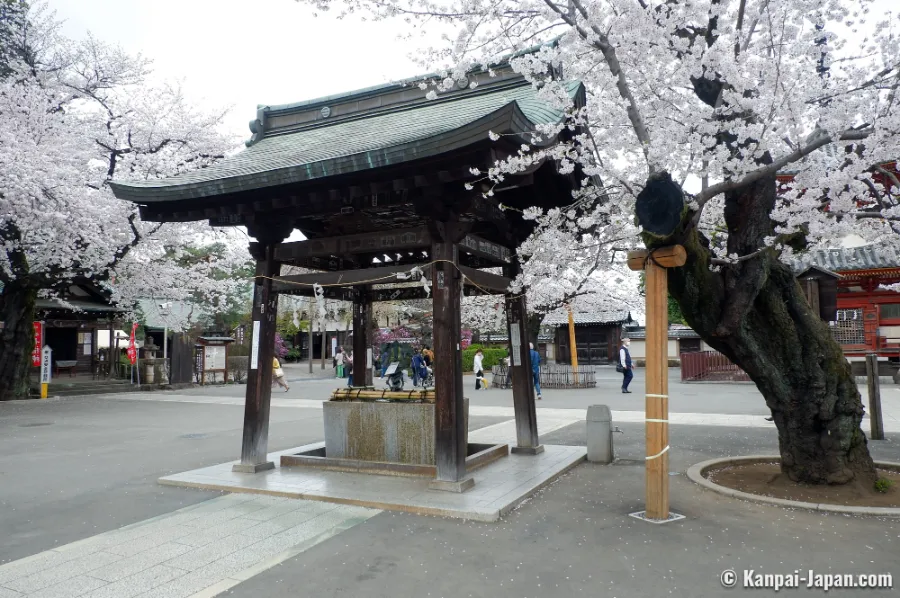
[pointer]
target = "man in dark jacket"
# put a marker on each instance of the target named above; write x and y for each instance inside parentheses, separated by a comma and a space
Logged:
(627, 366)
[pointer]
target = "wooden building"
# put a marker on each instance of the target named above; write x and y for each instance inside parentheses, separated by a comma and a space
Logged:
(381, 182)
(76, 324)
(867, 317)
(597, 335)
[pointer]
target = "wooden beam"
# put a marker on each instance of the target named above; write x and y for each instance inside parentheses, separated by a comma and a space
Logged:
(381, 275)
(483, 248)
(385, 241)
(486, 280)
(673, 256)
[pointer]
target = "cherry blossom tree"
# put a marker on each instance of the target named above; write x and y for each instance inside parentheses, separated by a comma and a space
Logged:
(73, 116)
(709, 100)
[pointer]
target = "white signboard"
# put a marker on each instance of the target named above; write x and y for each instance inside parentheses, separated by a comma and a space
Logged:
(516, 340)
(214, 357)
(254, 347)
(369, 358)
(46, 363)
(333, 345)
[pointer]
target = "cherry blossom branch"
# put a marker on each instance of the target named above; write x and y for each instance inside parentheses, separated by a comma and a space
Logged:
(729, 185)
(601, 42)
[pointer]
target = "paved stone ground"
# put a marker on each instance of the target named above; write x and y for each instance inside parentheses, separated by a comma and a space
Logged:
(576, 539)
(75, 468)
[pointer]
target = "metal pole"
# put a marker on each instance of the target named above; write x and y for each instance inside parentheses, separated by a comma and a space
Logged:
(875, 421)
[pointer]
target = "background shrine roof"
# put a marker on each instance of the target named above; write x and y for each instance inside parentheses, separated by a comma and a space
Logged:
(847, 259)
(560, 317)
(359, 131)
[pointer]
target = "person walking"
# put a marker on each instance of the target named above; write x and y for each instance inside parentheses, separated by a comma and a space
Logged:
(339, 363)
(478, 367)
(417, 364)
(535, 369)
(278, 375)
(627, 368)
(428, 355)
(348, 367)
(384, 361)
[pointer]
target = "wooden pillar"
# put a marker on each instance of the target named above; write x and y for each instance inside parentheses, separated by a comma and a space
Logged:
(450, 437)
(309, 338)
(573, 355)
(657, 374)
(362, 370)
(657, 399)
(254, 451)
(874, 386)
(324, 341)
(527, 441)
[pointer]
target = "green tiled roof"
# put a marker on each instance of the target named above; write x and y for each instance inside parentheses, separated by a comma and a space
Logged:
(359, 142)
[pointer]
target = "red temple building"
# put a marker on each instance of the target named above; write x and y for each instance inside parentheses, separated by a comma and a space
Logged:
(868, 314)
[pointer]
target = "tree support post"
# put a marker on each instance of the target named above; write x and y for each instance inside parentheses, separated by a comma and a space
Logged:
(657, 373)
(362, 353)
(573, 349)
(874, 383)
(254, 450)
(527, 440)
(450, 435)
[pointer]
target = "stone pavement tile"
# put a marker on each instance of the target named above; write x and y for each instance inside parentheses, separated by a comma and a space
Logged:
(183, 586)
(212, 533)
(137, 583)
(71, 588)
(273, 511)
(60, 573)
(151, 540)
(309, 510)
(139, 562)
(6, 593)
(30, 565)
(199, 557)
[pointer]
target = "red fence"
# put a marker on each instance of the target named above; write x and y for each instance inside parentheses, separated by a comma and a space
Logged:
(710, 366)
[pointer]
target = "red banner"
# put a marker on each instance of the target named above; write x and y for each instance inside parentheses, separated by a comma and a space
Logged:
(38, 344)
(132, 349)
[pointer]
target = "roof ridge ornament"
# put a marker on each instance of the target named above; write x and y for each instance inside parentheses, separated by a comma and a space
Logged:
(258, 126)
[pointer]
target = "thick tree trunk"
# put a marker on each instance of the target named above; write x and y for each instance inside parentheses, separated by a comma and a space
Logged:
(16, 339)
(755, 313)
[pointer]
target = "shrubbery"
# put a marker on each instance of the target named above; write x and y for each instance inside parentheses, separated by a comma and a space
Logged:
(492, 357)
(238, 367)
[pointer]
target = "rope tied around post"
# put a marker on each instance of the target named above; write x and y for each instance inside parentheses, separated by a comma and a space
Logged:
(658, 455)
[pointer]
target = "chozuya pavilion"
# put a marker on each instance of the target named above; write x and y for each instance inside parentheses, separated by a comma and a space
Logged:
(376, 181)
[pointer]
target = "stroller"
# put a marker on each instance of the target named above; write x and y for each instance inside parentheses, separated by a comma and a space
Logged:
(428, 380)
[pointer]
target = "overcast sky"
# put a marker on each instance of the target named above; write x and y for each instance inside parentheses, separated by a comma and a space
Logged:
(241, 53)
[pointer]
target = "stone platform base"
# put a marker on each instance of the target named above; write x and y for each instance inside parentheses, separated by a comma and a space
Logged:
(464, 484)
(252, 467)
(380, 431)
(499, 486)
(479, 455)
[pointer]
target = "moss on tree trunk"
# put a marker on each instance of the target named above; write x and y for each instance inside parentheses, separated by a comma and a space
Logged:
(755, 313)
